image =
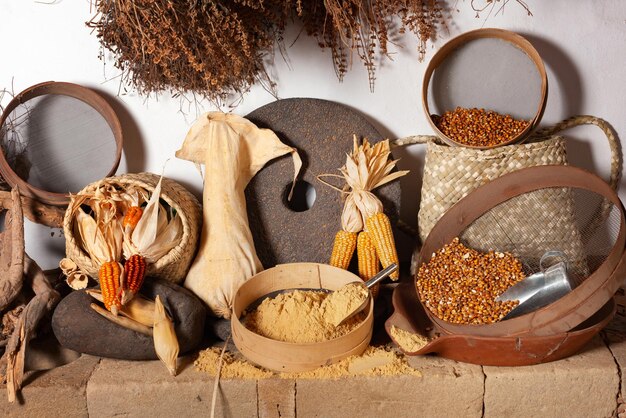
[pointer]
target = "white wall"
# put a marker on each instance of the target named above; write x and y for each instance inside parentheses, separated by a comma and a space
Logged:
(583, 44)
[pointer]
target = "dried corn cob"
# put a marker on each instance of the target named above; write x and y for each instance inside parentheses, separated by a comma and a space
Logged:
(164, 335)
(343, 249)
(379, 228)
(369, 264)
(134, 273)
(110, 276)
(132, 216)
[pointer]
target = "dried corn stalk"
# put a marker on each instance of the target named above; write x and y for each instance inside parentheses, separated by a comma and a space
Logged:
(233, 150)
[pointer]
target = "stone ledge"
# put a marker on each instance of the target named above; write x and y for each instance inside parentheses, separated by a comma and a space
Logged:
(587, 384)
(59, 392)
(584, 385)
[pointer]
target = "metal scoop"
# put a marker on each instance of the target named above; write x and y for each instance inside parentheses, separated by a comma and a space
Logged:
(540, 289)
(337, 311)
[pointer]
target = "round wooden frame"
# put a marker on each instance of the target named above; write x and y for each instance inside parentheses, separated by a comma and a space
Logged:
(572, 309)
(511, 37)
(76, 91)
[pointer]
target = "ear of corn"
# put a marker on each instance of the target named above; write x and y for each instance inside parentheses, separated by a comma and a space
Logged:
(110, 276)
(369, 264)
(132, 216)
(134, 273)
(379, 228)
(165, 341)
(343, 249)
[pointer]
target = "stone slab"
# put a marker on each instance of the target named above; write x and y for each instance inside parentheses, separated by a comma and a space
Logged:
(60, 392)
(142, 389)
(446, 389)
(277, 398)
(584, 385)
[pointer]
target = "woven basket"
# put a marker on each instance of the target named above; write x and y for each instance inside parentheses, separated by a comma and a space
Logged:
(175, 264)
(451, 173)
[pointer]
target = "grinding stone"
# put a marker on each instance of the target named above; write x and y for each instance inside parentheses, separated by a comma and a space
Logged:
(322, 131)
(80, 328)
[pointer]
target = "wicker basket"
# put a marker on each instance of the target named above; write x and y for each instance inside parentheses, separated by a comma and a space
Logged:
(451, 173)
(175, 264)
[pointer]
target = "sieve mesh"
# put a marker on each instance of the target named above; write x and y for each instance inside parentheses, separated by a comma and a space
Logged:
(582, 224)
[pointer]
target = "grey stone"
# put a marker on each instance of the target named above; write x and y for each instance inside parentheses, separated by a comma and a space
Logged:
(79, 328)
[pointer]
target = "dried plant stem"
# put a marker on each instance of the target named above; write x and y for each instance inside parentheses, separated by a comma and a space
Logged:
(12, 256)
(43, 302)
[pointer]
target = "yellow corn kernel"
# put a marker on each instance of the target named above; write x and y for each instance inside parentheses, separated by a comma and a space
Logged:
(343, 249)
(110, 275)
(369, 264)
(379, 228)
(132, 216)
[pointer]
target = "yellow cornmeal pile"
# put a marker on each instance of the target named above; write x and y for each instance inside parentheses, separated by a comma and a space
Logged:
(297, 317)
(408, 341)
(375, 361)
(343, 302)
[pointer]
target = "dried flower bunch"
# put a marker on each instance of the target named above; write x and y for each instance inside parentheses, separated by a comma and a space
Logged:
(216, 48)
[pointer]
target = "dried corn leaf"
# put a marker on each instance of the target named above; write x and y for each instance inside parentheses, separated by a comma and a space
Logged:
(165, 341)
(77, 280)
(138, 309)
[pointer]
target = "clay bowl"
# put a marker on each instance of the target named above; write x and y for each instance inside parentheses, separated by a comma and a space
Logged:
(494, 76)
(295, 357)
(490, 351)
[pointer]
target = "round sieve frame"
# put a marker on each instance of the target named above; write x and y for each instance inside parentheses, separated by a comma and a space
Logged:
(517, 40)
(572, 309)
(76, 91)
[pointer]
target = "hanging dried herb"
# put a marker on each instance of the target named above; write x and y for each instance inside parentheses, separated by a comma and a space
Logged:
(216, 48)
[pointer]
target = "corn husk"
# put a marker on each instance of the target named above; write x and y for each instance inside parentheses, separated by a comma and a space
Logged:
(77, 280)
(102, 237)
(74, 277)
(122, 321)
(165, 341)
(155, 234)
(138, 309)
(367, 168)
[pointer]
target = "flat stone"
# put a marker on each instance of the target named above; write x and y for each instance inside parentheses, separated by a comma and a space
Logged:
(584, 385)
(446, 389)
(80, 328)
(60, 392)
(140, 389)
(277, 398)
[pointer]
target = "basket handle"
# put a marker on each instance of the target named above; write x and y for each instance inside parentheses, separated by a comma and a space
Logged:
(611, 136)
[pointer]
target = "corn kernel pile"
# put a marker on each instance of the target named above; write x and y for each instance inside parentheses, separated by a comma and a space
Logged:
(460, 285)
(479, 127)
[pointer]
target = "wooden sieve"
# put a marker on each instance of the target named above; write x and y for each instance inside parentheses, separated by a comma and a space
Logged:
(494, 69)
(605, 271)
(73, 138)
(296, 357)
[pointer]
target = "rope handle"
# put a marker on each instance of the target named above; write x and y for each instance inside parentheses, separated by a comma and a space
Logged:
(613, 140)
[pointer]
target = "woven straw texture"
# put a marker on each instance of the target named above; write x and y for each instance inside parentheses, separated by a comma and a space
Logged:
(451, 173)
(175, 264)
